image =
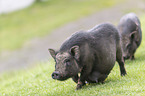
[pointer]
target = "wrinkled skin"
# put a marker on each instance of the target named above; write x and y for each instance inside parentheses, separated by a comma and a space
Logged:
(92, 54)
(131, 35)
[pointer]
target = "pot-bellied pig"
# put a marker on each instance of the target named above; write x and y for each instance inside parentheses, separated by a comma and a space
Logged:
(131, 34)
(92, 54)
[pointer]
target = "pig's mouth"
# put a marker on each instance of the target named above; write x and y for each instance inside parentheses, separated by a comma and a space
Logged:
(126, 57)
(62, 78)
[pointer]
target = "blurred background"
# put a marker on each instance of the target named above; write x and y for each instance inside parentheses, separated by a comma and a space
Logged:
(7, 6)
(29, 27)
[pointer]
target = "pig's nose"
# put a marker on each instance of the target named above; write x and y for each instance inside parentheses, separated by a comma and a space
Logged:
(56, 75)
(125, 57)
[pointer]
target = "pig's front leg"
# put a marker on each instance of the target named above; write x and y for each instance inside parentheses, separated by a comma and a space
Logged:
(75, 78)
(84, 73)
(82, 78)
(80, 83)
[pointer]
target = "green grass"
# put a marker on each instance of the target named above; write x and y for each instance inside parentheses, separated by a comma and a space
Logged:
(37, 81)
(43, 17)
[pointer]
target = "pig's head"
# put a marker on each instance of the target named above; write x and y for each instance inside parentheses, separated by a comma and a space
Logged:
(129, 44)
(66, 63)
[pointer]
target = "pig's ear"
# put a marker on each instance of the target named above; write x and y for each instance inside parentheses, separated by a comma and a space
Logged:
(52, 52)
(75, 51)
(132, 34)
(137, 26)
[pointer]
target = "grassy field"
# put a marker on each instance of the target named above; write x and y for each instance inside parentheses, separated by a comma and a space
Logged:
(43, 17)
(38, 81)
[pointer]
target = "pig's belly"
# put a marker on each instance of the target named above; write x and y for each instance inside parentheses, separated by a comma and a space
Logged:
(96, 77)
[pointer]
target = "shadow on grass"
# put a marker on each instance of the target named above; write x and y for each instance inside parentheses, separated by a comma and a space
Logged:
(92, 85)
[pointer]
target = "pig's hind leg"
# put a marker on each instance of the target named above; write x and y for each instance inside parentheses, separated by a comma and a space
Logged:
(120, 61)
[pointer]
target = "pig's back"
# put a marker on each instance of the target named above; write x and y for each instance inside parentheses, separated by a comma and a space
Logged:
(105, 45)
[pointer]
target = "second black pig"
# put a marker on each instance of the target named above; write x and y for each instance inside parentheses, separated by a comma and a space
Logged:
(131, 34)
(91, 53)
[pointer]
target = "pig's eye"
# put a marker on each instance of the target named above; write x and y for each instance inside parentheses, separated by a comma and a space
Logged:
(67, 62)
(128, 46)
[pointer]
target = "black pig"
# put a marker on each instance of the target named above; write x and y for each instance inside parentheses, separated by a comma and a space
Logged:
(91, 53)
(131, 34)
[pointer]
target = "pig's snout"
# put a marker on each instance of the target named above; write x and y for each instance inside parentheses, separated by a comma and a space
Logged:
(56, 75)
(126, 57)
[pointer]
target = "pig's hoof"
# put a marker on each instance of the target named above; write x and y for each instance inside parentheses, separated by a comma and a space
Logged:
(79, 87)
(123, 74)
